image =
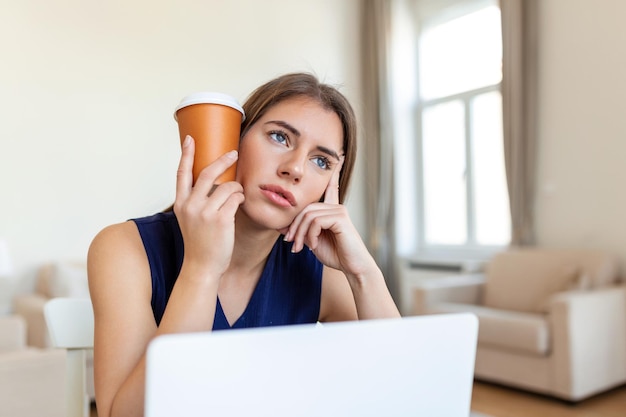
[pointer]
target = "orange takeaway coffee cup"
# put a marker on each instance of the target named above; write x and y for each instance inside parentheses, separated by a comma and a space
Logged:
(214, 121)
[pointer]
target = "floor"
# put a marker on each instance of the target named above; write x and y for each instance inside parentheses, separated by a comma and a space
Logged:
(498, 401)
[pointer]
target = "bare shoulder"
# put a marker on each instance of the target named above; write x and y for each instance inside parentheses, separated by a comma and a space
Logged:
(117, 261)
(117, 237)
(337, 302)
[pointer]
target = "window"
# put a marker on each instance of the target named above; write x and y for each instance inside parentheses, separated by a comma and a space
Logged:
(458, 164)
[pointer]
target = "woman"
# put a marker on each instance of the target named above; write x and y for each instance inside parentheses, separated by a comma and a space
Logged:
(274, 247)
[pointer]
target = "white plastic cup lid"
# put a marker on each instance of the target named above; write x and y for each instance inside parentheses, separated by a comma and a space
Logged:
(210, 98)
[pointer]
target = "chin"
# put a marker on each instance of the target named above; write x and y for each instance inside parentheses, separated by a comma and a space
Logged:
(266, 217)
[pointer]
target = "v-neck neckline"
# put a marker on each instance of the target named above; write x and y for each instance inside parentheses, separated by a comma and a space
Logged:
(253, 298)
(220, 310)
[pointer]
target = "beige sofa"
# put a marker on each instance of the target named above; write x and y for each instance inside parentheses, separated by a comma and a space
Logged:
(551, 321)
(32, 381)
(56, 279)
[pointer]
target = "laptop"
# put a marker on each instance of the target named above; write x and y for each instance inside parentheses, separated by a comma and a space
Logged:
(414, 366)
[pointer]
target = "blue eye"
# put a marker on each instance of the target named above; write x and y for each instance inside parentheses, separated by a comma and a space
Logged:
(322, 162)
(279, 137)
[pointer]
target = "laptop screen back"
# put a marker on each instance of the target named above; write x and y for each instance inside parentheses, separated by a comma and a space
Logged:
(416, 366)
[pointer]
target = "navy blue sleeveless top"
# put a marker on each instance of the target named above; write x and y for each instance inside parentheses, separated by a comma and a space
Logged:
(288, 292)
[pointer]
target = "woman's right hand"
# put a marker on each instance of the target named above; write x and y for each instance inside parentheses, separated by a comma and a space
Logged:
(206, 213)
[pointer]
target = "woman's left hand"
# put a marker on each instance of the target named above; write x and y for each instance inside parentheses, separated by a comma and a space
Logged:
(327, 230)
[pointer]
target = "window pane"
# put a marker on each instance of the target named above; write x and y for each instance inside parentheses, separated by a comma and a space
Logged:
(443, 147)
(491, 198)
(462, 54)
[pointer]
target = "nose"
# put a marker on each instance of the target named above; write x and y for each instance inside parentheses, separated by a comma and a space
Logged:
(292, 167)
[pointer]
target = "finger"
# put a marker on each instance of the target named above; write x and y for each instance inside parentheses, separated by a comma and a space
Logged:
(206, 178)
(223, 192)
(312, 235)
(295, 224)
(331, 196)
(303, 227)
(184, 175)
(232, 203)
(218, 196)
(296, 233)
(313, 224)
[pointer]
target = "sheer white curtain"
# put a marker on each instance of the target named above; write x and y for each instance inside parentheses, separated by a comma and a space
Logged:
(519, 98)
(378, 137)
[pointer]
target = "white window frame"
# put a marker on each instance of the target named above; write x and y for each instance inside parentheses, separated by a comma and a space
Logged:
(427, 13)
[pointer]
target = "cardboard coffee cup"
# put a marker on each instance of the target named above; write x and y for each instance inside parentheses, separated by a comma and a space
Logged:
(214, 121)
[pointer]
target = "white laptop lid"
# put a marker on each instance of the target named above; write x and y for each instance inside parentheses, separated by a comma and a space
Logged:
(416, 366)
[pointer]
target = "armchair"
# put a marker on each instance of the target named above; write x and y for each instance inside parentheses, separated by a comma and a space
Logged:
(53, 280)
(31, 380)
(550, 321)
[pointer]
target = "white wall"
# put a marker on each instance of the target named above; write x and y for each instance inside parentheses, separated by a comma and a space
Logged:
(581, 200)
(87, 91)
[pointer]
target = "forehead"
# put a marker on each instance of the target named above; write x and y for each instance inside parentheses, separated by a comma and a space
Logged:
(310, 118)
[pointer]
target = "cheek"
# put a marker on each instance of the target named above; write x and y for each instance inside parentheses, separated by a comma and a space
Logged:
(245, 163)
(316, 191)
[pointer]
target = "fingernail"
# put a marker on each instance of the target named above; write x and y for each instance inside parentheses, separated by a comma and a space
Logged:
(232, 154)
(187, 141)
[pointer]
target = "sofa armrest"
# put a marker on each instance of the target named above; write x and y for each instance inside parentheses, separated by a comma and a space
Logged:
(463, 289)
(30, 306)
(589, 340)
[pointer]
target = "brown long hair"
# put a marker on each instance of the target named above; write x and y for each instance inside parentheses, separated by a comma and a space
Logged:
(296, 85)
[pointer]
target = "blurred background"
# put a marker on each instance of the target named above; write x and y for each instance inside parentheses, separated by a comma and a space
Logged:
(87, 137)
(87, 91)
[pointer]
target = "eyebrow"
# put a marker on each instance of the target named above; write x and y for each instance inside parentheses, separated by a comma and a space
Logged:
(329, 152)
(286, 126)
(297, 133)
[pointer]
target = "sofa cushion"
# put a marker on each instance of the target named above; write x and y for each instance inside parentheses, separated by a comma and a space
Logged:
(525, 279)
(521, 283)
(599, 268)
(521, 332)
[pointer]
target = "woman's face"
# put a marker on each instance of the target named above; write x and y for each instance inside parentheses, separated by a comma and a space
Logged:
(286, 160)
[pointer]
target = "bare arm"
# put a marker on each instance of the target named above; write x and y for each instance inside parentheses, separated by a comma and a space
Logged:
(120, 284)
(355, 298)
(121, 287)
(353, 286)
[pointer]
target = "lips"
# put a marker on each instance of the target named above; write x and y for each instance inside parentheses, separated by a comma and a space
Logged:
(278, 195)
